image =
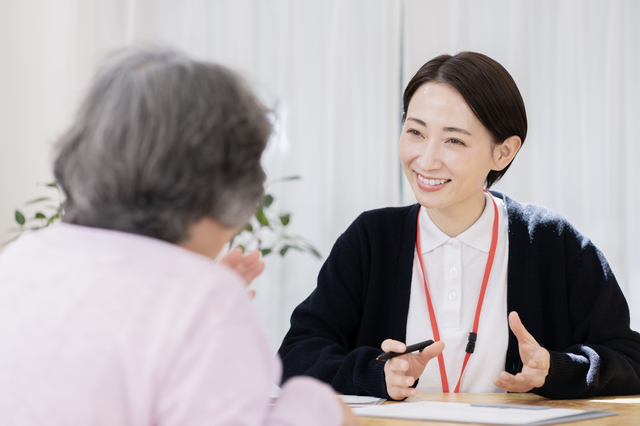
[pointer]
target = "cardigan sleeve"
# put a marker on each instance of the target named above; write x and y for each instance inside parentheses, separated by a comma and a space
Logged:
(562, 287)
(324, 328)
(604, 358)
(362, 298)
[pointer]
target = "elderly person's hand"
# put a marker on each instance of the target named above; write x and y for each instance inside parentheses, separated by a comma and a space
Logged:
(348, 418)
(249, 266)
(534, 357)
(401, 372)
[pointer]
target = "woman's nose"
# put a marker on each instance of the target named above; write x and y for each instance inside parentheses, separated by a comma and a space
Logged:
(431, 156)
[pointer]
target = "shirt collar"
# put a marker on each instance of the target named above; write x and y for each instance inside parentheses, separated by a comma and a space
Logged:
(477, 236)
(431, 236)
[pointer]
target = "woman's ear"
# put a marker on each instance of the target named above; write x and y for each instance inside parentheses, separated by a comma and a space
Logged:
(504, 153)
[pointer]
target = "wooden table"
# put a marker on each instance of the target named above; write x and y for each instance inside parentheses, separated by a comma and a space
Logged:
(628, 407)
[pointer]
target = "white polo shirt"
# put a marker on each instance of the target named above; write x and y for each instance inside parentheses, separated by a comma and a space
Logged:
(455, 268)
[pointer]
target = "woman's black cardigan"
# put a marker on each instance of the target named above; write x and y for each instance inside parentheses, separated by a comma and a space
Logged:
(558, 281)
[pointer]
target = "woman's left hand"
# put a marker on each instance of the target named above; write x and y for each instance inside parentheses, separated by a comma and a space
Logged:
(249, 266)
(534, 357)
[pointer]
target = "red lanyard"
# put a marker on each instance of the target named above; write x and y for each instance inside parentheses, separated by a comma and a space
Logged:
(432, 316)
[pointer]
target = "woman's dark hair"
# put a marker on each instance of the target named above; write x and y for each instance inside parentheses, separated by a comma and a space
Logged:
(488, 89)
(160, 142)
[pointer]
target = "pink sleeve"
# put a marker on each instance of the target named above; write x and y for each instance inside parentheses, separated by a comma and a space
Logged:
(223, 372)
(306, 401)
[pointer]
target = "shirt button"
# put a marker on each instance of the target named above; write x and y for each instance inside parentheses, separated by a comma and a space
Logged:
(455, 245)
(452, 296)
(452, 270)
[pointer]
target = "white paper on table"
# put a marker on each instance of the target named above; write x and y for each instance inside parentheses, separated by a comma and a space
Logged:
(350, 400)
(361, 401)
(501, 414)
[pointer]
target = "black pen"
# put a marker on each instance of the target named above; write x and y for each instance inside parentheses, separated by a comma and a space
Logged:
(417, 347)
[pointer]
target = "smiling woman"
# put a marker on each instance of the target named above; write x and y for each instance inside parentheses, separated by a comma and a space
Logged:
(464, 267)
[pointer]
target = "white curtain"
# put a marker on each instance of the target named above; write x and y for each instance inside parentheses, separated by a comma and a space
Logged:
(334, 71)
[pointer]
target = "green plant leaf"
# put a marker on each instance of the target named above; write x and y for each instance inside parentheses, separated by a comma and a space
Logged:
(267, 200)
(248, 228)
(314, 252)
(37, 200)
(284, 249)
(285, 219)
(266, 251)
(58, 210)
(284, 179)
(20, 218)
(262, 218)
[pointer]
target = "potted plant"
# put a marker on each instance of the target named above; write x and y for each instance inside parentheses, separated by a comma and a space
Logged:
(267, 230)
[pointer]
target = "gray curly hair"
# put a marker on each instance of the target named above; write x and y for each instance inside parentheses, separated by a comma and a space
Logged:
(160, 142)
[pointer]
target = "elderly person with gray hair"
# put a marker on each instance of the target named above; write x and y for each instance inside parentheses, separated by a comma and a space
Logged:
(119, 315)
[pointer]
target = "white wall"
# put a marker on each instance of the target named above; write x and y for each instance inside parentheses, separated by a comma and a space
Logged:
(34, 98)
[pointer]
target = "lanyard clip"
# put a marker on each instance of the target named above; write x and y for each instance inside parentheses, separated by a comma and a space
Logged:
(471, 345)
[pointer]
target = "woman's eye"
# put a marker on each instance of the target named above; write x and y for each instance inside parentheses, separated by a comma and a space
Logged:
(456, 141)
(413, 132)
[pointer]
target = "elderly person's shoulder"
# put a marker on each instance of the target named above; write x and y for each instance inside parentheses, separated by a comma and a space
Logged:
(115, 258)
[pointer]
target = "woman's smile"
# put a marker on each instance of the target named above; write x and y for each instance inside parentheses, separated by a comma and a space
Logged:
(430, 184)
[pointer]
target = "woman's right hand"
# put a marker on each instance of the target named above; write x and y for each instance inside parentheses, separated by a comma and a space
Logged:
(401, 372)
